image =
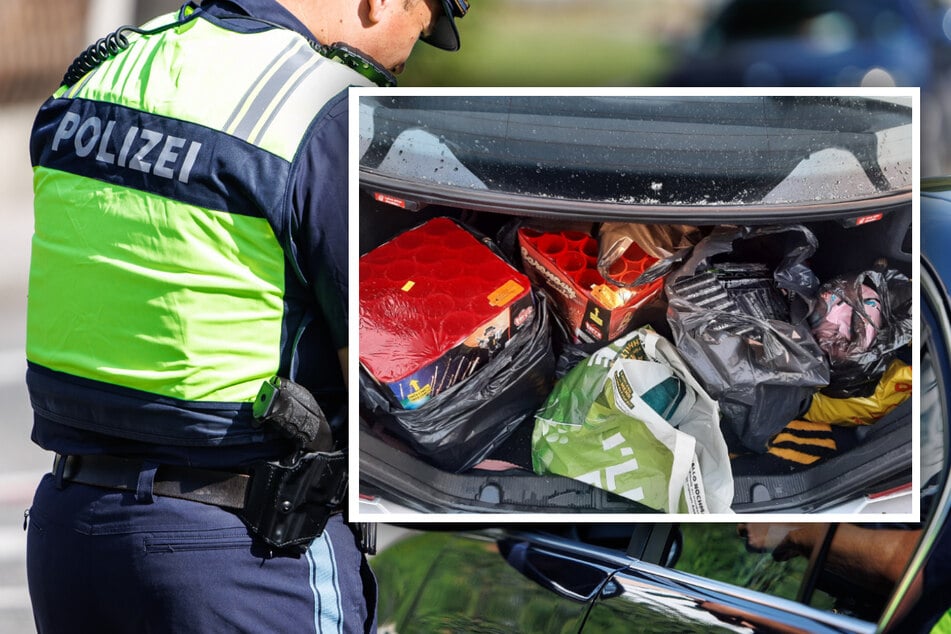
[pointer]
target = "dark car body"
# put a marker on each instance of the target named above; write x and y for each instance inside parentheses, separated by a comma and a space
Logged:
(842, 166)
(696, 577)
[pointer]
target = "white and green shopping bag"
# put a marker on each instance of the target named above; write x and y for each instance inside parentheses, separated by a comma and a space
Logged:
(631, 419)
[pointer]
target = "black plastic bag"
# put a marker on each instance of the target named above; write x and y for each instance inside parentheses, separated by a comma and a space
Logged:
(861, 321)
(458, 428)
(738, 309)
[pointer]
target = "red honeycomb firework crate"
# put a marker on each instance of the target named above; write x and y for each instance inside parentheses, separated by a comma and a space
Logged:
(436, 305)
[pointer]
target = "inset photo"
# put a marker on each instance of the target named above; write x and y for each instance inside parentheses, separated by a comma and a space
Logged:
(569, 306)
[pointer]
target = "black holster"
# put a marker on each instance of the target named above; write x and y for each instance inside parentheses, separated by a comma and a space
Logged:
(288, 505)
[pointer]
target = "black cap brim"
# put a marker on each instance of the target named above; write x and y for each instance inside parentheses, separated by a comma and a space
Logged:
(444, 35)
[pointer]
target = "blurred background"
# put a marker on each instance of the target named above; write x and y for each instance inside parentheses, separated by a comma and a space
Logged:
(531, 43)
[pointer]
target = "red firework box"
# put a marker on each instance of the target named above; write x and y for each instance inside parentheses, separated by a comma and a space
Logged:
(436, 305)
(565, 263)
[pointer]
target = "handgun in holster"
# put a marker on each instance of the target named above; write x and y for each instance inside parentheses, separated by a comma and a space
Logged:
(289, 501)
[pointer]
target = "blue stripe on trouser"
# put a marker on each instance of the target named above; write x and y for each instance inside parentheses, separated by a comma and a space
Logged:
(324, 583)
(99, 562)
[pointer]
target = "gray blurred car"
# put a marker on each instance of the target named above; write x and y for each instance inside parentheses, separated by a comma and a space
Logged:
(832, 43)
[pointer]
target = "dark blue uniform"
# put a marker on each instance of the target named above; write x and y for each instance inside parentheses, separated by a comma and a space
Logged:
(106, 560)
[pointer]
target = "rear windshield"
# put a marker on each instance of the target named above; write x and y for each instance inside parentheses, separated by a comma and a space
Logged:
(685, 150)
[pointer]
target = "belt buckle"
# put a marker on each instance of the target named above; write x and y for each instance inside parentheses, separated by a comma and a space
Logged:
(64, 468)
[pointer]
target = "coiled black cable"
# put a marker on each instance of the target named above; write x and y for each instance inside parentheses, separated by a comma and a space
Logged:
(116, 42)
(98, 52)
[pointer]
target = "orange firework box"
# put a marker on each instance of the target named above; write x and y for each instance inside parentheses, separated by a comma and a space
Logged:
(565, 264)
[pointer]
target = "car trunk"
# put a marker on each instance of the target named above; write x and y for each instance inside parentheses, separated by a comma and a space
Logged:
(868, 460)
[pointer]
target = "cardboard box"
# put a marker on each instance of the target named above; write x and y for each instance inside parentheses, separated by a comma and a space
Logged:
(565, 264)
(436, 305)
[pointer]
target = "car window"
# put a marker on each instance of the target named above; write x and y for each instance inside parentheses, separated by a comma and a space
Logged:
(746, 555)
(642, 150)
(663, 600)
(822, 21)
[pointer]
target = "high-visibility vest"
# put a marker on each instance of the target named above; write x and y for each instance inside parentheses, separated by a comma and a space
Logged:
(161, 183)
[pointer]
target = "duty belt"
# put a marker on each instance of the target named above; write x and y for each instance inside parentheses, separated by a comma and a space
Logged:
(287, 503)
(220, 488)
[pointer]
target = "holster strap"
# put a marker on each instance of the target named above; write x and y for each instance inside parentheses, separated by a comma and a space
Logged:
(208, 486)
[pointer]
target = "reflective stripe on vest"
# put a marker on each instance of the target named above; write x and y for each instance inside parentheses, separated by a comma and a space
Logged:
(160, 194)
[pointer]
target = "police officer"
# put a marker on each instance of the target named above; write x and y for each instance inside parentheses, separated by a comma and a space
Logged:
(190, 246)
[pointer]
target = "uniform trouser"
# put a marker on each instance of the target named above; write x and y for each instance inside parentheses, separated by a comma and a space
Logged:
(110, 561)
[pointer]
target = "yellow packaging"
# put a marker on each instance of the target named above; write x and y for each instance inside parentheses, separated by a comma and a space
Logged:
(893, 388)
